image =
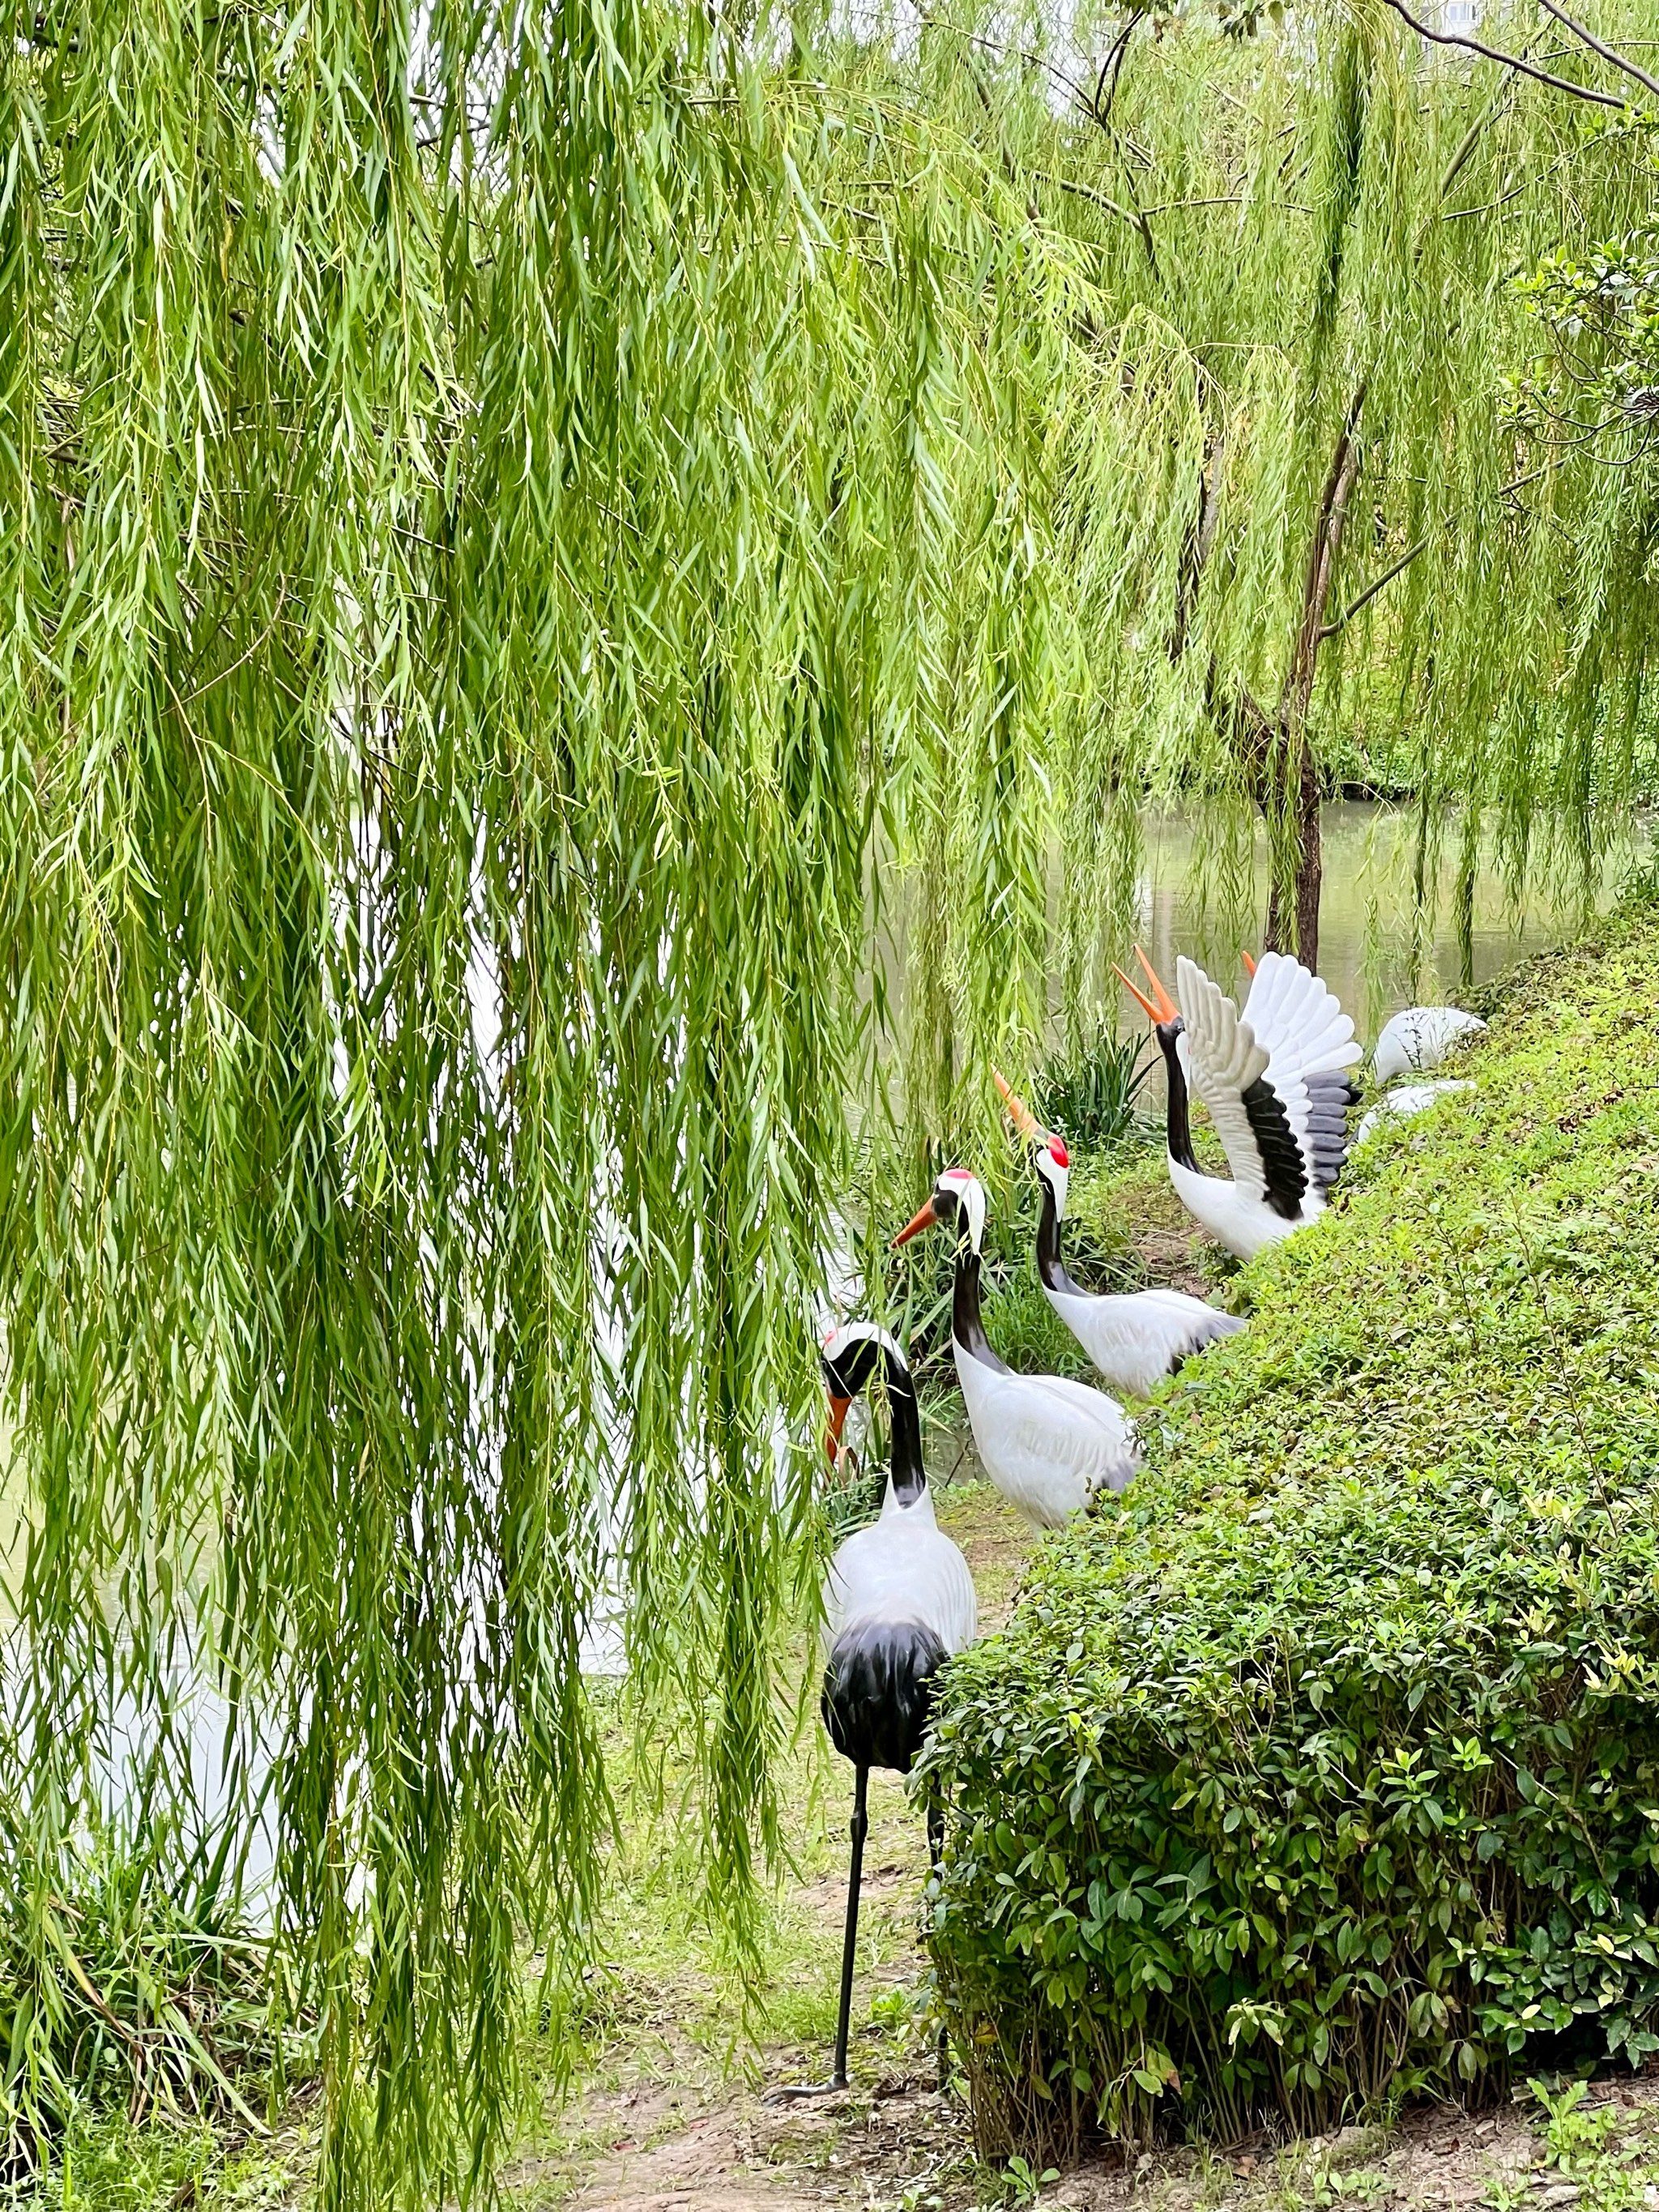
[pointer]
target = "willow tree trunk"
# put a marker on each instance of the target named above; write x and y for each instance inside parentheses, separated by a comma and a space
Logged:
(1302, 936)
(1295, 700)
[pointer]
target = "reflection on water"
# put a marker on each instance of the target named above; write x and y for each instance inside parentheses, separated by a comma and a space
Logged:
(1366, 913)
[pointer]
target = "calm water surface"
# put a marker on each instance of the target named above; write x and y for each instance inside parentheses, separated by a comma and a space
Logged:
(1365, 934)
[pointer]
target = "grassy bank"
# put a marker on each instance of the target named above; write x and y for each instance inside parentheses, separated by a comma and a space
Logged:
(1327, 1768)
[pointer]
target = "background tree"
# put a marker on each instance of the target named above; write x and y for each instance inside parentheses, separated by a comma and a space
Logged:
(1358, 556)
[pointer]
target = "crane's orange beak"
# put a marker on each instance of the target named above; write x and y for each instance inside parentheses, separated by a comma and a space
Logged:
(838, 1422)
(925, 1220)
(1249, 964)
(1022, 1116)
(1160, 1007)
(1018, 1112)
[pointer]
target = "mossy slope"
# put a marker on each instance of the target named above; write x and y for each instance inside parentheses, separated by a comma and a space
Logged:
(1327, 1767)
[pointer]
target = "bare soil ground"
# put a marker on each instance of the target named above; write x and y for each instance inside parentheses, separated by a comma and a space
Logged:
(893, 2144)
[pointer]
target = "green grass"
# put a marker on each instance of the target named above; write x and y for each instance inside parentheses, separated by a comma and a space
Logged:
(126, 1986)
(1324, 1770)
(108, 2164)
(1091, 1093)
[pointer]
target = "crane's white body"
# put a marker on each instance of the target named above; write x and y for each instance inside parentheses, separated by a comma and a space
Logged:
(898, 1602)
(1234, 1214)
(1135, 1338)
(1050, 1445)
(903, 1569)
(1405, 1100)
(1294, 1038)
(1419, 1039)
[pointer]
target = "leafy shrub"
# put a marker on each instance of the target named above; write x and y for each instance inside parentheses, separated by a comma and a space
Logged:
(1326, 1769)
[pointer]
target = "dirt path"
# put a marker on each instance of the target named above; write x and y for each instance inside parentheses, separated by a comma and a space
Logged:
(896, 2146)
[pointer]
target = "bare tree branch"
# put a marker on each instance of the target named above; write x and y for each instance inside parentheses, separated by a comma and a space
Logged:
(1133, 216)
(1323, 550)
(1607, 54)
(1112, 68)
(1370, 591)
(1507, 61)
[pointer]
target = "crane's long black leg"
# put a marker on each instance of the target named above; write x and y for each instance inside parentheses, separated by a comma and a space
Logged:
(936, 1857)
(850, 1940)
(861, 1824)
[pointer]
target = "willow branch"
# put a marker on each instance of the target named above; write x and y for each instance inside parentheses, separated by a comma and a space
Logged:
(999, 46)
(1507, 61)
(1101, 106)
(1370, 591)
(1136, 221)
(1100, 115)
(1608, 53)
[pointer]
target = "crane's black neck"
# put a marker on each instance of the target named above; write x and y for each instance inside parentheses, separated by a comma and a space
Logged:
(1051, 1268)
(910, 1477)
(1178, 1130)
(966, 1327)
(853, 1373)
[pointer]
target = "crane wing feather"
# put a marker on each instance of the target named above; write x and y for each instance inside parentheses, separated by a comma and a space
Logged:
(902, 1568)
(1225, 1060)
(1137, 1337)
(1310, 1043)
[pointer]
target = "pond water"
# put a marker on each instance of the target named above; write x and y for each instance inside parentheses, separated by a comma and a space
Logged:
(1365, 934)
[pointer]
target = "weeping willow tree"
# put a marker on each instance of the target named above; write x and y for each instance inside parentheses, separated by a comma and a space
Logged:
(487, 518)
(515, 523)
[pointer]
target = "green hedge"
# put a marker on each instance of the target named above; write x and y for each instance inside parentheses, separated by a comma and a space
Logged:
(1327, 1768)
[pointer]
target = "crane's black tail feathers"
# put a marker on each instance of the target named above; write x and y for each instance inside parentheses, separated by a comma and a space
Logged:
(878, 1691)
(1330, 1097)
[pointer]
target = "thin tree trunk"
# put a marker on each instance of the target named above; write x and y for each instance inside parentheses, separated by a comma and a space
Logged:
(1297, 696)
(1310, 860)
(1196, 546)
(1463, 898)
(1260, 739)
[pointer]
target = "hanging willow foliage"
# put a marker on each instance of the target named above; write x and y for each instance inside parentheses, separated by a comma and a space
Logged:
(486, 519)
(513, 521)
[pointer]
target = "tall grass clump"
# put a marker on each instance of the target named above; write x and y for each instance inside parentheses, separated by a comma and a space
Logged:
(1090, 1090)
(1324, 1769)
(129, 1990)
